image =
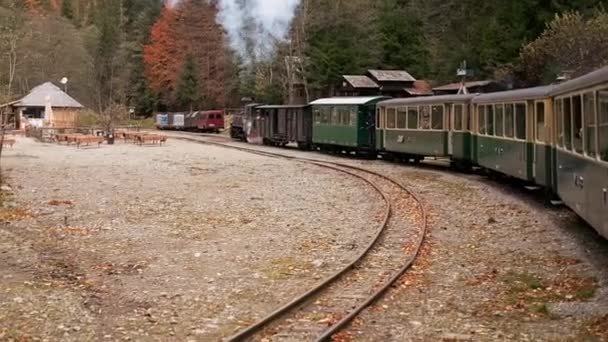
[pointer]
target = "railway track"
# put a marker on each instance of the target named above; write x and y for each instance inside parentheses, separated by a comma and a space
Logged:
(335, 302)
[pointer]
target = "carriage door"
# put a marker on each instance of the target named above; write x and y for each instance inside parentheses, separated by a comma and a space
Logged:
(450, 127)
(538, 122)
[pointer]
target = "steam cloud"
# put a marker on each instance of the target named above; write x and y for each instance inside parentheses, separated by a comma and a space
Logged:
(265, 20)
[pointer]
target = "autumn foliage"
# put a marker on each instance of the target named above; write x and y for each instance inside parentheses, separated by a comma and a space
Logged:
(188, 29)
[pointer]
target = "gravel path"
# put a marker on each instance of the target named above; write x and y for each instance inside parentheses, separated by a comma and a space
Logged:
(183, 242)
(498, 265)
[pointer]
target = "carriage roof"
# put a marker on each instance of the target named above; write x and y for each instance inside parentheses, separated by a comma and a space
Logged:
(587, 81)
(515, 95)
(429, 100)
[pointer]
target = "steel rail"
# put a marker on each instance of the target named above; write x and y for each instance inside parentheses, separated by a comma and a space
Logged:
(345, 321)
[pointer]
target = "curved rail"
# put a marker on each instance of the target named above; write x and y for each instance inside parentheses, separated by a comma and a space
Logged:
(326, 336)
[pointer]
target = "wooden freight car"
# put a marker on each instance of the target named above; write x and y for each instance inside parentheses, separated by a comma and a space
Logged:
(282, 125)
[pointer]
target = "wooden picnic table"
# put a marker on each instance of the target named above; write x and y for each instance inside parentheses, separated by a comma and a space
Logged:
(64, 137)
(9, 140)
(132, 136)
(88, 140)
(154, 138)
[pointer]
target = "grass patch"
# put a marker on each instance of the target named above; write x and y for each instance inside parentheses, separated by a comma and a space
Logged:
(282, 268)
(539, 308)
(147, 123)
(527, 292)
(522, 282)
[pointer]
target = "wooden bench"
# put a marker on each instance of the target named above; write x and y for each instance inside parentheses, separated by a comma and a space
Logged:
(88, 140)
(71, 138)
(150, 137)
(131, 136)
(63, 137)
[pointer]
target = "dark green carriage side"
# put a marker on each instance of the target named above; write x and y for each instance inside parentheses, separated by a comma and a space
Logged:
(437, 126)
(512, 133)
(345, 123)
(581, 147)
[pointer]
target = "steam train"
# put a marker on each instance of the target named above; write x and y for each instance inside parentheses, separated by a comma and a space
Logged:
(553, 137)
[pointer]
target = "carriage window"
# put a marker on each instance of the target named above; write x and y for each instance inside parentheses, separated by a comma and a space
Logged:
(467, 118)
(326, 115)
(425, 117)
(391, 118)
(379, 112)
(402, 118)
(437, 117)
(509, 121)
(577, 121)
(540, 121)
(559, 105)
(345, 115)
(499, 124)
(354, 110)
(490, 119)
(482, 119)
(335, 116)
(520, 121)
(602, 98)
(590, 123)
(412, 117)
(568, 123)
(458, 117)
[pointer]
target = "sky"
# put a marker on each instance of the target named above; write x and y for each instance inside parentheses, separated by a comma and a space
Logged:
(272, 16)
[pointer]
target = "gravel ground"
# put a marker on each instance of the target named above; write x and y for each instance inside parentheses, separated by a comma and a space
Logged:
(183, 242)
(498, 265)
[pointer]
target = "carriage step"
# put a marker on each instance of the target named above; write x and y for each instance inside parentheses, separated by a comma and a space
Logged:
(532, 187)
(557, 203)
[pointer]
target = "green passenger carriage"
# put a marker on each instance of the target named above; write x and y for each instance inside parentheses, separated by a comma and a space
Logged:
(581, 146)
(345, 123)
(437, 126)
(512, 134)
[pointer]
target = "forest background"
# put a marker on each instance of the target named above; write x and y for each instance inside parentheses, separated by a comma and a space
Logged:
(189, 54)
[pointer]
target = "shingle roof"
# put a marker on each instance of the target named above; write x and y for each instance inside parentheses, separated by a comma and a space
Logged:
(457, 85)
(360, 81)
(37, 97)
(391, 75)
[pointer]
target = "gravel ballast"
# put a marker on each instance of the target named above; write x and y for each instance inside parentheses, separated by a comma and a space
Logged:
(182, 241)
(189, 241)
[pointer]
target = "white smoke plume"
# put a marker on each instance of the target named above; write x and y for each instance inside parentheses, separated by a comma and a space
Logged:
(253, 25)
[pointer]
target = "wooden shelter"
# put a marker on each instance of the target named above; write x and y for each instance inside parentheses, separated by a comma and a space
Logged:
(45, 106)
(392, 83)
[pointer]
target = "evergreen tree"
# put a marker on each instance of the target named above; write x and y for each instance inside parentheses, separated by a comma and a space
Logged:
(188, 91)
(66, 9)
(105, 55)
(402, 36)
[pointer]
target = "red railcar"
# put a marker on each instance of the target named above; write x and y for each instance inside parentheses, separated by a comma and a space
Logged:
(211, 121)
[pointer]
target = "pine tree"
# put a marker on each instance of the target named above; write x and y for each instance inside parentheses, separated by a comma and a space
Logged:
(188, 92)
(66, 9)
(403, 42)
